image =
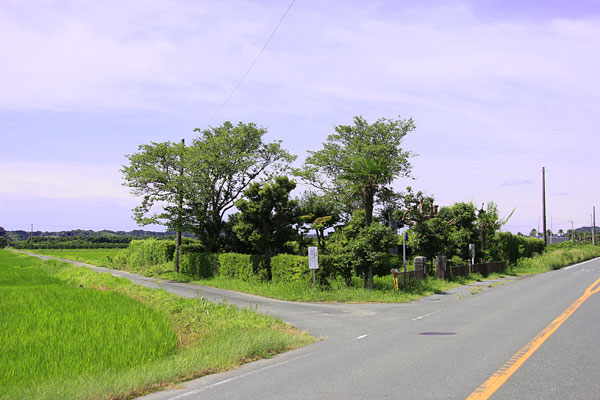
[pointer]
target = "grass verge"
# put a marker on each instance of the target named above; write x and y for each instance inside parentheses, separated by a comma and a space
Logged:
(295, 291)
(555, 258)
(51, 315)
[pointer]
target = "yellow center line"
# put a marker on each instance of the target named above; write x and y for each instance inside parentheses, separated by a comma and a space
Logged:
(497, 380)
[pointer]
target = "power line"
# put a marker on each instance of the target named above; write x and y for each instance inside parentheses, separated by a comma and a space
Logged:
(251, 65)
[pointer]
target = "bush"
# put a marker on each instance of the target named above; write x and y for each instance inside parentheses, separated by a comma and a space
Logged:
(290, 268)
(508, 247)
(244, 266)
(141, 253)
(199, 265)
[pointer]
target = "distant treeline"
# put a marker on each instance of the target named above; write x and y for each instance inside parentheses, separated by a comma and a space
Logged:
(77, 239)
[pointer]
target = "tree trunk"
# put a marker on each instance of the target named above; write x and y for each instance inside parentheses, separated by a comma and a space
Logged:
(177, 246)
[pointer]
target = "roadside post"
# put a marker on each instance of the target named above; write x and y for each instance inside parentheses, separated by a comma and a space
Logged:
(405, 239)
(472, 253)
(313, 264)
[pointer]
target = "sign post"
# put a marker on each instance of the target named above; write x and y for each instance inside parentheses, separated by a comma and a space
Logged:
(313, 264)
(404, 240)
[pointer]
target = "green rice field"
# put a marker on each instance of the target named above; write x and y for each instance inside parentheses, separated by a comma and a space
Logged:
(68, 332)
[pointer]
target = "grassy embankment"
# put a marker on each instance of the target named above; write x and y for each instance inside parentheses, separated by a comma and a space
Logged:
(554, 257)
(69, 332)
(294, 291)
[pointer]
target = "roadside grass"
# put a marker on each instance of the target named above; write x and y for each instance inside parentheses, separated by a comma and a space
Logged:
(98, 257)
(338, 291)
(62, 339)
(294, 291)
(555, 258)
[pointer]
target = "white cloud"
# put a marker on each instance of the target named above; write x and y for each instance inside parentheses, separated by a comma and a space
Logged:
(74, 181)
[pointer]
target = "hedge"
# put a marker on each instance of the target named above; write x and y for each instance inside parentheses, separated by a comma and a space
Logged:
(244, 266)
(508, 247)
(290, 268)
(199, 265)
(141, 253)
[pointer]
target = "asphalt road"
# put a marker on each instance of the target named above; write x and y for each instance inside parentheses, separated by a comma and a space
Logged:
(442, 347)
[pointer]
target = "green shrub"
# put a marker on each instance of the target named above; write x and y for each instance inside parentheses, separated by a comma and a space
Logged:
(290, 268)
(508, 247)
(141, 253)
(191, 248)
(199, 265)
(244, 266)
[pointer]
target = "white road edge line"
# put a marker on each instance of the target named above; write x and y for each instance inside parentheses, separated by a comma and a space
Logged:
(361, 337)
(581, 263)
(426, 315)
(193, 392)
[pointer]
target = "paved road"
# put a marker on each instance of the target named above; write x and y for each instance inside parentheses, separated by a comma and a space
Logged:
(398, 351)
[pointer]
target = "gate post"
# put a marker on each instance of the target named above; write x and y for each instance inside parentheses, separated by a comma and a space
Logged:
(440, 267)
(420, 265)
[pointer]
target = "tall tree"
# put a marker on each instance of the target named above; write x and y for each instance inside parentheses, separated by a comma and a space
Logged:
(366, 155)
(319, 212)
(223, 162)
(155, 173)
(267, 216)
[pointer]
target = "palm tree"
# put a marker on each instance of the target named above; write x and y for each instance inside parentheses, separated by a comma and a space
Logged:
(365, 176)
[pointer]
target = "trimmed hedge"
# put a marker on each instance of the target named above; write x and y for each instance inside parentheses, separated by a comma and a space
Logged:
(290, 268)
(199, 265)
(244, 266)
(141, 253)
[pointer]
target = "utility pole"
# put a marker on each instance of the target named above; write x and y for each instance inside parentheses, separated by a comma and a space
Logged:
(544, 202)
(31, 237)
(179, 213)
(594, 226)
(572, 232)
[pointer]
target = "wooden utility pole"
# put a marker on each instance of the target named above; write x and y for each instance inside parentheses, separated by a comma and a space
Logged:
(179, 214)
(544, 202)
(594, 226)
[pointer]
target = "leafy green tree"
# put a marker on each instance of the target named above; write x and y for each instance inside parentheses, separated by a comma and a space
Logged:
(489, 223)
(447, 231)
(318, 212)
(366, 249)
(359, 150)
(223, 162)
(267, 216)
(156, 173)
(533, 233)
(360, 159)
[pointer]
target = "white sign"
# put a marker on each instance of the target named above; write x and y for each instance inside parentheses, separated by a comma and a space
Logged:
(313, 258)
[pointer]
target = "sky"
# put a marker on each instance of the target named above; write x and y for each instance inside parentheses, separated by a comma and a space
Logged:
(497, 90)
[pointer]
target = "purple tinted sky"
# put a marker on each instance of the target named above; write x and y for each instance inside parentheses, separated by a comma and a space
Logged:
(497, 90)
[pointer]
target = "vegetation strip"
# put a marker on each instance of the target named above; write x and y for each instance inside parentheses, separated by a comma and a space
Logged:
(201, 337)
(494, 383)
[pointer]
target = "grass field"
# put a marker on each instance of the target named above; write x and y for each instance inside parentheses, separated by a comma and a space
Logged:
(99, 257)
(71, 333)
